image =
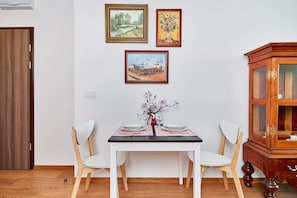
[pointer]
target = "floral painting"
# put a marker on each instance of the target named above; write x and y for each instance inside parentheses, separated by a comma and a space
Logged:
(150, 66)
(168, 30)
(126, 23)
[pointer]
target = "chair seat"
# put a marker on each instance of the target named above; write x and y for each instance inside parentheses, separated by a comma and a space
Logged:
(102, 160)
(211, 159)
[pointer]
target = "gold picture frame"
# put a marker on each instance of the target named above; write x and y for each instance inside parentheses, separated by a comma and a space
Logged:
(168, 27)
(126, 23)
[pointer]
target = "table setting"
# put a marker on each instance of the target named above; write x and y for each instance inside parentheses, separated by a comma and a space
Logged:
(150, 112)
(167, 129)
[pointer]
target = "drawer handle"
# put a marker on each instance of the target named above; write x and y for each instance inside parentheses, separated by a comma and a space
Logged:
(291, 168)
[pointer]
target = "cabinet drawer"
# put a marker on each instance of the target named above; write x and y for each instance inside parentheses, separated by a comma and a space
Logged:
(287, 168)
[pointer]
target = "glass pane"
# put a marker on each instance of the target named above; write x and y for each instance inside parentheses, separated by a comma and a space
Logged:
(287, 122)
(259, 120)
(259, 83)
(287, 81)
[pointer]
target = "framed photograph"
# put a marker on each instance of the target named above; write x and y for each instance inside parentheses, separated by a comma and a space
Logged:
(169, 27)
(126, 23)
(146, 66)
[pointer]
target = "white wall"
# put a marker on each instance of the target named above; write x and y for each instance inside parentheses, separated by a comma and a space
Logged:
(208, 75)
(53, 22)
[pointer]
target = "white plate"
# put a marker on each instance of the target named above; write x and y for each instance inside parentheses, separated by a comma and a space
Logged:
(174, 127)
(132, 127)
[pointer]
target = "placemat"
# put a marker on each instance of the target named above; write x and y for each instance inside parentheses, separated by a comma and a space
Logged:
(146, 132)
(149, 132)
(161, 132)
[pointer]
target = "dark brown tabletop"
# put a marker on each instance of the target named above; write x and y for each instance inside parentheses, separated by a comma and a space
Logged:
(154, 139)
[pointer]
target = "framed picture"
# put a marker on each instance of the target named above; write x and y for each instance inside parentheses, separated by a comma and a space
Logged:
(126, 23)
(169, 27)
(146, 66)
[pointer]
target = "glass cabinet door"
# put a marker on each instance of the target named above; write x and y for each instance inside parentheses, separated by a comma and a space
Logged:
(259, 83)
(258, 106)
(259, 120)
(287, 105)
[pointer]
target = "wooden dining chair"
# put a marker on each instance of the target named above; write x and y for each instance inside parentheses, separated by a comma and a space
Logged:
(231, 133)
(82, 135)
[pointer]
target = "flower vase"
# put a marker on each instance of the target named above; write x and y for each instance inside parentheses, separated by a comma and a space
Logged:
(148, 120)
(159, 118)
(169, 37)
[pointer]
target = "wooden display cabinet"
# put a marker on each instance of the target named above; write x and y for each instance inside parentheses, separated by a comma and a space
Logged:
(271, 145)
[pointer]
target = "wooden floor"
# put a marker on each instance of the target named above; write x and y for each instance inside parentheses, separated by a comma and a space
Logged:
(58, 184)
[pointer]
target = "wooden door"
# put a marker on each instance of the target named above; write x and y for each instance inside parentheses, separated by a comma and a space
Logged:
(16, 98)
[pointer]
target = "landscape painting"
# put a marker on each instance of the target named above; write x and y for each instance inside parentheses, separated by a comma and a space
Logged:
(126, 23)
(146, 66)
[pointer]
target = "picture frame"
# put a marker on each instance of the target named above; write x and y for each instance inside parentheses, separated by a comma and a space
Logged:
(146, 66)
(126, 23)
(169, 27)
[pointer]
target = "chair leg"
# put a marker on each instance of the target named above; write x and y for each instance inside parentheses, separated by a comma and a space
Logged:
(203, 169)
(237, 184)
(77, 182)
(124, 177)
(225, 180)
(190, 170)
(88, 180)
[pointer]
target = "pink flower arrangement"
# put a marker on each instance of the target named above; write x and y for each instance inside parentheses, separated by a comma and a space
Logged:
(152, 106)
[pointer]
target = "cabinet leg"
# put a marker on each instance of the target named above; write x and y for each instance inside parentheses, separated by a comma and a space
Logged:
(248, 170)
(271, 187)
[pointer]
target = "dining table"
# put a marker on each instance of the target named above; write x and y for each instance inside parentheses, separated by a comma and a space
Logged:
(155, 138)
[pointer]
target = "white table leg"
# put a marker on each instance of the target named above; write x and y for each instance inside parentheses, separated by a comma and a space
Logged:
(196, 175)
(180, 168)
(113, 173)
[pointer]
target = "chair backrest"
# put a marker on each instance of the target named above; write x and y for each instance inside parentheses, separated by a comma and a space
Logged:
(230, 131)
(84, 130)
(80, 134)
(233, 134)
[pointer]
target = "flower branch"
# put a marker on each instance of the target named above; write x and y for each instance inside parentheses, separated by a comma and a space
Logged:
(152, 106)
